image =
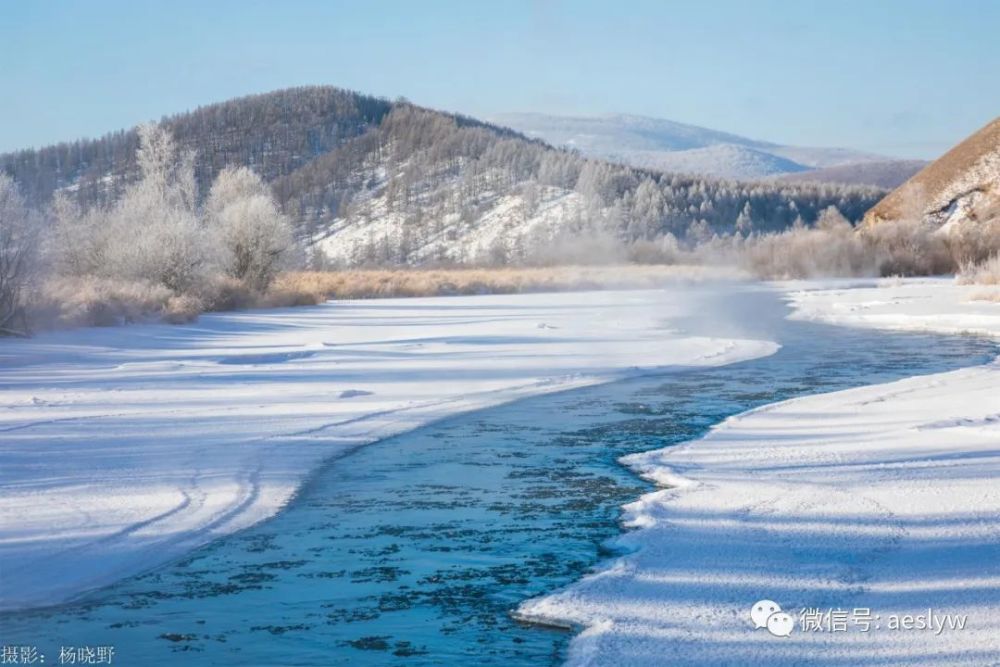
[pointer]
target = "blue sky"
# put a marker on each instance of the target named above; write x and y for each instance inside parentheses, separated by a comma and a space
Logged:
(906, 78)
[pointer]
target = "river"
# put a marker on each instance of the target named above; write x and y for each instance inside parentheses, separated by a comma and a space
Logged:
(416, 549)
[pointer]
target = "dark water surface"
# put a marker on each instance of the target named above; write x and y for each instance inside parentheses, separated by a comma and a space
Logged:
(414, 550)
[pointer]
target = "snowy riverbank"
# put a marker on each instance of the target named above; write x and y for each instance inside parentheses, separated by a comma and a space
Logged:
(881, 498)
(936, 305)
(124, 447)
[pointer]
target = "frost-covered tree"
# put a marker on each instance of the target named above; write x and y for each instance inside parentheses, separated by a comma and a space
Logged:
(744, 221)
(80, 241)
(157, 234)
(151, 234)
(831, 219)
(252, 233)
(18, 254)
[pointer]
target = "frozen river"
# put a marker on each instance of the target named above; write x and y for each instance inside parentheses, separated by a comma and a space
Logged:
(417, 549)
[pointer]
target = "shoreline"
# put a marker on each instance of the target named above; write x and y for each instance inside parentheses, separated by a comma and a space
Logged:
(594, 353)
(555, 387)
(723, 482)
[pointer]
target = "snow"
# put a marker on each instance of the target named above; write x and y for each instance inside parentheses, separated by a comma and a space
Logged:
(968, 192)
(729, 161)
(501, 220)
(122, 448)
(882, 498)
(938, 305)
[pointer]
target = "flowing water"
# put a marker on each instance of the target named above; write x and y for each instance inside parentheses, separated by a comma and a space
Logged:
(416, 549)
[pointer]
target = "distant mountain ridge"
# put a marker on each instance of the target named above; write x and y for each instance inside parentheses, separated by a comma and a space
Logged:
(719, 161)
(632, 132)
(888, 174)
(672, 146)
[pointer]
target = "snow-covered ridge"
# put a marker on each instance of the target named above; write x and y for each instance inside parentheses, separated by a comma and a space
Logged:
(121, 448)
(932, 305)
(720, 160)
(882, 498)
(663, 144)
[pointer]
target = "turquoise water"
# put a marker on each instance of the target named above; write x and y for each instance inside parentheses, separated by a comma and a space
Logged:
(415, 550)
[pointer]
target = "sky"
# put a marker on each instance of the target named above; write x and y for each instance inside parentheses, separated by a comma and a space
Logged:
(905, 78)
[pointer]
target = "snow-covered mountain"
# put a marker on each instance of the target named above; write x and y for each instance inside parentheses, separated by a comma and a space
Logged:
(664, 144)
(719, 160)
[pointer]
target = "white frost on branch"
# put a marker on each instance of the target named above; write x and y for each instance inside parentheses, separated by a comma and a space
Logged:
(252, 234)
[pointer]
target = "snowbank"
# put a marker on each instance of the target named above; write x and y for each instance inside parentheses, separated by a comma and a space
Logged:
(882, 498)
(121, 448)
(937, 305)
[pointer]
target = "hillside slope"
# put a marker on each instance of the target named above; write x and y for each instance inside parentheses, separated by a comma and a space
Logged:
(426, 187)
(962, 185)
(274, 133)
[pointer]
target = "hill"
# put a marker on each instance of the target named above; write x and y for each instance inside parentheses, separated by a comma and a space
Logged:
(274, 133)
(962, 185)
(887, 174)
(372, 182)
(728, 161)
(663, 144)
